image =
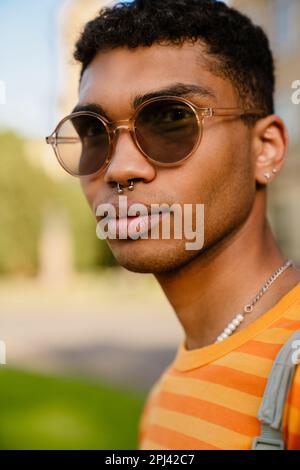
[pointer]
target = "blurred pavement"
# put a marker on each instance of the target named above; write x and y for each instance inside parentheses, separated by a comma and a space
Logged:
(116, 326)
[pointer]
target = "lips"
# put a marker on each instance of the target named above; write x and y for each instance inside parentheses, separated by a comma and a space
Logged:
(133, 227)
(117, 209)
(122, 222)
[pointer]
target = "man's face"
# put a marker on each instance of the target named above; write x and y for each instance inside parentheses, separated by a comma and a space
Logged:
(219, 174)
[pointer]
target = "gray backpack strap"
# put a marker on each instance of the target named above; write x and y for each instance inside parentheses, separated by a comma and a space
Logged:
(270, 413)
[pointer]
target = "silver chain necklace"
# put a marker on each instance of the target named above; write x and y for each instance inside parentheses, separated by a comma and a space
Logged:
(232, 326)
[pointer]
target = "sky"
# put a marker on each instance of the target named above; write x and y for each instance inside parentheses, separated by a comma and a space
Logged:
(28, 65)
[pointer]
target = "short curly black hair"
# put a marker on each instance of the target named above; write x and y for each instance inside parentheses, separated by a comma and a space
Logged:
(240, 49)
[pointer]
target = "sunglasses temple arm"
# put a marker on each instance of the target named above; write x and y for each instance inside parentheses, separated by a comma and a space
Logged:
(54, 140)
(236, 112)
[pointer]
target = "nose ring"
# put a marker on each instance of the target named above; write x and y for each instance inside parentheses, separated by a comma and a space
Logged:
(120, 189)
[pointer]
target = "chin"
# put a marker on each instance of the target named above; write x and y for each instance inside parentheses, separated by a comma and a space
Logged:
(151, 256)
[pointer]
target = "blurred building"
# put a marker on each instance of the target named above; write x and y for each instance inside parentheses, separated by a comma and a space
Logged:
(72, 17)
(280, 20)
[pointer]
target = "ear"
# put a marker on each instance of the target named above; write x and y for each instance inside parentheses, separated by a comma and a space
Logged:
(270, 144)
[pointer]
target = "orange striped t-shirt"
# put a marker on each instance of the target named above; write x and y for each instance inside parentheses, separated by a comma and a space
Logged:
(208, 398)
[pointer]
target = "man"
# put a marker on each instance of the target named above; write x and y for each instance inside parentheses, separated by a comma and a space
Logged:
(214, 59)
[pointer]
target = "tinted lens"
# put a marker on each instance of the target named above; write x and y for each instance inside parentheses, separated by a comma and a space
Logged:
(167, 130)
(83, 144)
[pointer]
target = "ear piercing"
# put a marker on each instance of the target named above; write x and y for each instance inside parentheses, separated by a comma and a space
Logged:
(268, 175)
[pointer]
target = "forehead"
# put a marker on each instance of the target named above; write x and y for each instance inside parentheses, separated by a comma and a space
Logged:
(116, 76)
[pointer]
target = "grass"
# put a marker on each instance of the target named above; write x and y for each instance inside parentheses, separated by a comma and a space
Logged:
(46, 412)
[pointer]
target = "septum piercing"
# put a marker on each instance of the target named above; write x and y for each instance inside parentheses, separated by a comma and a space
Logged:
(120, 189)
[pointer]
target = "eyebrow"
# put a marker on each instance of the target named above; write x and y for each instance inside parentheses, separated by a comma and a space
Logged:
(178, 89)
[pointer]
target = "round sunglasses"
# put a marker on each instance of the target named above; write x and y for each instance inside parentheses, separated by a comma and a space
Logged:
(167, 130)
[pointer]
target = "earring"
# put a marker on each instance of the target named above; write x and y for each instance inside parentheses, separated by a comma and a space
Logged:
(267, 176)
(274, 171)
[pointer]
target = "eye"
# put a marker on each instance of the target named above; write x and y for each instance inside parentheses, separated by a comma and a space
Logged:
(175, 114)
(88, 128)
(92, 130)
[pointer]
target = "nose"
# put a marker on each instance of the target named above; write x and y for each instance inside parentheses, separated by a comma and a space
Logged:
(127, 161)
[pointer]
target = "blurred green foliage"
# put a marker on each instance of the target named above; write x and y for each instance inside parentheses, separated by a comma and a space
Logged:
(42, 412)
(25, 191)
(90, 253)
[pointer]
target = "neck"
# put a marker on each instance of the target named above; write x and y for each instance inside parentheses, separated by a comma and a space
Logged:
(207, 293)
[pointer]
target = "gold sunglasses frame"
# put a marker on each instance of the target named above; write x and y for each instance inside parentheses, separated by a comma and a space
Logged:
(129, 124)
